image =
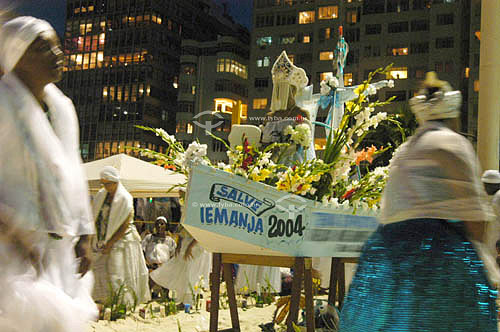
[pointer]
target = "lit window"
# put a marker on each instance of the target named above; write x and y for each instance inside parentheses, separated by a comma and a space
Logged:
(259, 103)
(467, 72)
(193, 89)
(189, 128)
(244, 111)
(306, 17)
(399, 51)
(85, 28)
(328, 13)
(291, 57)
(232, 66)
(264, 41)
(476, 85)
(325, 75)
(347, 79)
(327, 55)
(307, 39)
(224, 105)
(266, 61)
(319, 143)
(398, 73)
(259, 63)
(352, 16)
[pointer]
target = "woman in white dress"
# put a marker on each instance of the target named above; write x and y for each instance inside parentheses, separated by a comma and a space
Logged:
(119, 260)
(44, 205)
(189, 267)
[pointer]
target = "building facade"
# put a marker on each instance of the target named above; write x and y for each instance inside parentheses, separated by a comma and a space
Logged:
(415, 35)
(213, 89)
(122, 62)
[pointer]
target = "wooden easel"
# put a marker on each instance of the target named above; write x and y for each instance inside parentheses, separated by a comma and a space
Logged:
(302, 269)
(337, 280)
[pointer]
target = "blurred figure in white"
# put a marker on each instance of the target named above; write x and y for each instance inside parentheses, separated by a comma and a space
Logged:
(119, 261)
(491, 181)
(45, 215)
(158, 248)
(189, 267)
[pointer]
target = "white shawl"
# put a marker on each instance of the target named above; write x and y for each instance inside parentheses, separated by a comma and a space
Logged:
(42, 183)
(121, 207)
(435, 174)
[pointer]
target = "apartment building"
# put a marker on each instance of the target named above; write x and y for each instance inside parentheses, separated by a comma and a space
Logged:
(415, 35)
(122, 67)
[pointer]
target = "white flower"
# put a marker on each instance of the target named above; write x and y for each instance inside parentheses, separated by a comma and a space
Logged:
(194, 154)
(165, 136)
(333, 82)
(221, 165)
(390, 84)
(324, 88)
(371, 90)
(288, 130)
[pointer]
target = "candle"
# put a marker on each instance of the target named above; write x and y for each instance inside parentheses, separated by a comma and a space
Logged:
(341, 30)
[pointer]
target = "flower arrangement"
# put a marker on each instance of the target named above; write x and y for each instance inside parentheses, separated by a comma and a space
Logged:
(336, 178)
(196, 292)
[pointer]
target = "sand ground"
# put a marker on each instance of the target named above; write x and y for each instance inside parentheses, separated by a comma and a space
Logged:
(194, 322)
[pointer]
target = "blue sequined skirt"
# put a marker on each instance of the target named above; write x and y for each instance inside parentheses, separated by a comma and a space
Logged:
(420, 276)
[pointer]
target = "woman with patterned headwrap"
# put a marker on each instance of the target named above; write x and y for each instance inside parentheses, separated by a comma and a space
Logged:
(44, 203)
(425, 268)
(119, 261)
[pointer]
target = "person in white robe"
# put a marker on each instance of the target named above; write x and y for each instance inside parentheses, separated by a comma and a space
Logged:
(119, 261)
(189, 267)
(45, 215)
(491, 181)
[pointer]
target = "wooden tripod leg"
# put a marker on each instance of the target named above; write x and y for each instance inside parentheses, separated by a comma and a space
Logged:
(214, 289)
(332, 290)
(298, 273)
(341, 284)
(233, 307)
(308, 287)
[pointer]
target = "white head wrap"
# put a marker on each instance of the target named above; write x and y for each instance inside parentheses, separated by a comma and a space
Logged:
(110, 173)
(491, 176)
(442, 104)
(284, 74)
(162, 218)
(16, 36)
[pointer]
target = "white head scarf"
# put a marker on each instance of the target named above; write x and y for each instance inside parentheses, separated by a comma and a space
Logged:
(491, 176)
(442, 104)
(16, 36)
(110, 173)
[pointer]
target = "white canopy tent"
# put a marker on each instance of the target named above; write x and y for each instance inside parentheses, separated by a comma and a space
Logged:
(140, 178)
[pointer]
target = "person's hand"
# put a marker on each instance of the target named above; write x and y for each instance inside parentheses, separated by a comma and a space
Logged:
(28, 253)
(107, 249)
(83, 253)
(189, 253)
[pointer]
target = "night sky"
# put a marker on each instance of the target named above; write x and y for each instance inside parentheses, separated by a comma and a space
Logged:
(54, 11)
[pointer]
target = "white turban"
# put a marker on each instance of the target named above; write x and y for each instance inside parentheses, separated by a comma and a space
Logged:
(110, 173)
(16, 36)
(491, 176)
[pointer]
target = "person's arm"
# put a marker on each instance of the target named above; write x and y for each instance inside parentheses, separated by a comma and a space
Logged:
(476, 230)
(119, 234)
(83, 252)
(20, 241)
(189, 250)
